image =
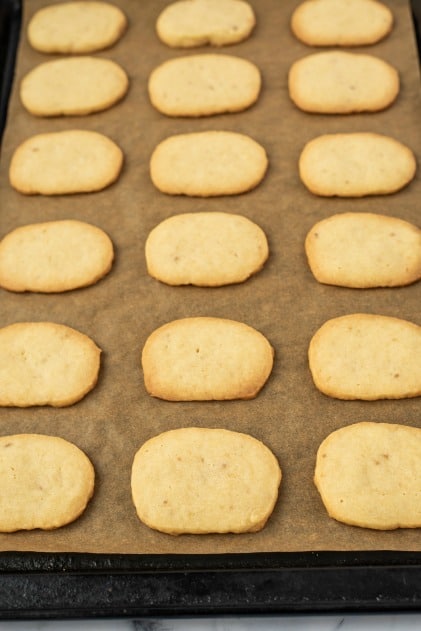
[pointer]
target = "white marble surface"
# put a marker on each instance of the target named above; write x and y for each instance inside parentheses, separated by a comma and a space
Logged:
(372, 622)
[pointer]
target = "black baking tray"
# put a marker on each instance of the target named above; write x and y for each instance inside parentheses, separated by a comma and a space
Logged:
(49, 586)
(46, 586)
(10, 21)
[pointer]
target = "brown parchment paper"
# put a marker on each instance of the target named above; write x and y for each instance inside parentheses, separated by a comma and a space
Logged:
(283, 301)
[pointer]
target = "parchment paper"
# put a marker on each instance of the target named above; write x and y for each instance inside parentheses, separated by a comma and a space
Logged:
(284, 301)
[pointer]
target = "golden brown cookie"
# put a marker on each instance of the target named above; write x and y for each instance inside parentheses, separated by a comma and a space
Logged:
(366, 356)
(341, 22)
(364, 250)
(64, 255)
(76, 27)
(208, 164)
(337, 82)
(204, 358)
(43, 363)
(369, 475)
(356, 165)
(195, 480)
(65, 162)
(204, 85)
(46, 482)
(190, 23)
(208, 249)
(73, 86)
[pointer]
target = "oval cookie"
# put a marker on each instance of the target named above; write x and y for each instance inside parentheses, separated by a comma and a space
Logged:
(65, 162)
(369, 475)
(368, 357)
(364, 250)
(203, 359)
(206, 249)
(337, 82)
(64, 255)
(355, 165)
(203, 85)
(341, 22)
(43, 363)
(206, 164)
(190, 23)
(197, 481)
(46, 482)
(76, 27)
(73, 86)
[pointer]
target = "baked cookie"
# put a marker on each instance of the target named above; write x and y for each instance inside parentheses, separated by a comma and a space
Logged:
(369, 475)
(203, 359)
(64, 255)
(76, 27)
(203, 85)
(65, 162)
(207, 249)
(341, 22)
(355, 165)
(337, 82)
(207, 164)
(366, 356)
(46, 482)
(43, 363)
(190, 23)
(197, 481)
(73, 86)
(364, 250)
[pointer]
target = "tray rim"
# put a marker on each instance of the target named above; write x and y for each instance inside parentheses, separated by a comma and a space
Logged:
(10, 24)
(63, 585)
(39, 585)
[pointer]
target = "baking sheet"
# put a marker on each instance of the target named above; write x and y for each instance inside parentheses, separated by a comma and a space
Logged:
(283, 301)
